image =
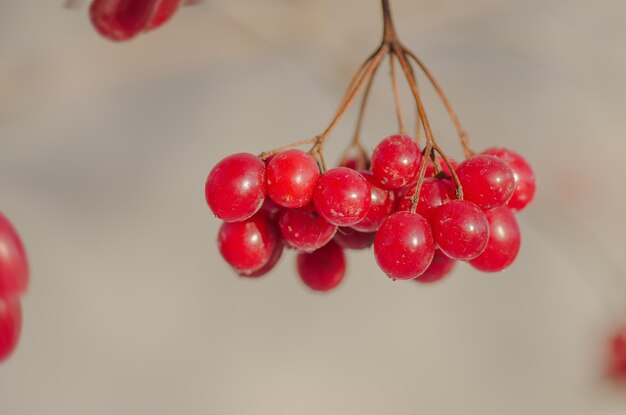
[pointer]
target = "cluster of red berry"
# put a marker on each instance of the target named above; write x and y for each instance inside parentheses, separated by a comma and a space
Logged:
(286, 201)
(13, 284)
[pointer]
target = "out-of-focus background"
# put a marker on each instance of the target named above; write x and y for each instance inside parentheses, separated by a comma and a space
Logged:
(104, 149)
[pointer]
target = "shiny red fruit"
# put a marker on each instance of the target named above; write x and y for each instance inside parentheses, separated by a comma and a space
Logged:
(430, 169)
(291, 177)
(235, 188)
(120, 20)
(524, 177)
(322, 270)
(487, 181)
(383, 203)
(434, 193)
(342, 196)
(10, 325)
(248, 245)
(439, 268)
(305, 229)
(504, 241)
(162, 12)
(461, 230)
(395, 161)
(404, 246)
(348, 238)
(274, 259)
(13, 261)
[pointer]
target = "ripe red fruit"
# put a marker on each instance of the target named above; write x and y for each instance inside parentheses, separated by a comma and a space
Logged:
(439, 268)
(383, 203)
(13, 261)
(248, 245)
(235, 188)
(524, 177)
(10, 325)
(278, 252)
(504, 241)
(348, 238)
(305, 229)
(430, 169)
(434, 193)
(395, 161)
(291, 177)
(404, 246)
(342, 196)
(460, 229)
(162, 12)
(487, 181)
(120, 20)
(322, 270)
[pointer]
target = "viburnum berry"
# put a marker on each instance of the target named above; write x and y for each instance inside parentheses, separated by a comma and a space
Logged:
(504, 241)
(276, 255)
(10, 325)
(248, 245)
(342, 196)
(291, 177)
(162, 12)
(404, 246)
(430, 168)
(120, 20)
(616, 369)
(460, 229)
(235, 188)
(348, 238)
(441, 266)
(305, 229)
(13, 261)
(383, 203)
(487, 181)
(395, 161)
(434, 193)
(323, 269)
(524, 177)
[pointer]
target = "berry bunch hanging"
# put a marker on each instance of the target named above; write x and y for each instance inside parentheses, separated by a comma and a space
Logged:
(420, 209)
(13, 284)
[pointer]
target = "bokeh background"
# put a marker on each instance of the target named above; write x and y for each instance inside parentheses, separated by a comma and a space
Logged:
(104, 149)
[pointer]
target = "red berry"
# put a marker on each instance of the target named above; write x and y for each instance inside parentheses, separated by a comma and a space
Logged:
(430, 169)
(404, 246)
(356, 164)
(305, 229)
(524, 177)
(487, 181)
(396, 161)
(120, 20)
(248, 245)
(342, 196)
(434, 193)
(235, 188)
(382, 205)
(10, 325)
(348, 238)
(460, 229)
(439, 268)
(504, 241)
(162, 12)
(278, 252)
(322, 270)
(13, 261)
(617, 357)
(270, 208)
(291, 178)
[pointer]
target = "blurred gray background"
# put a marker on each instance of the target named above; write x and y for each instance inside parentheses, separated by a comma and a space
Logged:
(104, 149)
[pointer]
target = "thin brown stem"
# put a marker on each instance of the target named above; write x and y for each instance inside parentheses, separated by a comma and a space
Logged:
(267, 154)
(356, 139)
(396, 94)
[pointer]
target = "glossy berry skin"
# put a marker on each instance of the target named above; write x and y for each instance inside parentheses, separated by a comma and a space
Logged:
(430, 169)
(248, 245)
(434, 193)
(291, 177)
(525, 184)
(504, 241)
(322, 270)
(348, 238)
(10, 325)
(343, 196)
(461, 230)
(439, 268)
(13, 261)
(274, 259)
(162, 12)
(487, 181)
(305, 229)
(120, 20)
(383, 203)
(395, 161)
(404, 246)
(235, 188)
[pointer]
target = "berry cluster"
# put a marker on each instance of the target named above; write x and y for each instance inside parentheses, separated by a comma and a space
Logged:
(420, 210)
(13, 284)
